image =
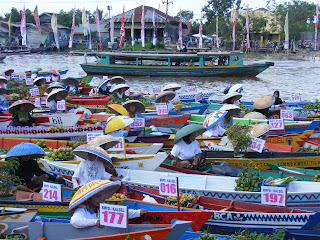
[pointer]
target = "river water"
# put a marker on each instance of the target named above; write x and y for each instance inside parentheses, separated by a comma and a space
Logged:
(293, 74)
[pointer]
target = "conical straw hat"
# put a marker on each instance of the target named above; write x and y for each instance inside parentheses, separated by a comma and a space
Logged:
(14, 106)
(254, 115)
(118, 108)
(188, 130)
(104, 141)
(117, 123)
(140, 108)
(263, 102)
(83, 150)
(260, 129)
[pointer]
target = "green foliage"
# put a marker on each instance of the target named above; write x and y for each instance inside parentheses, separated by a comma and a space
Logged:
(315, 105)
(208, 236)
(239, 137)
(186, 16)
(8, 179)
(16, 15)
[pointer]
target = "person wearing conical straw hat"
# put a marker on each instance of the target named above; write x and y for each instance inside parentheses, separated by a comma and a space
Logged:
(8, 73)
(173, 87)
(117, 109)
(39, 81)
(71, 85)
(263, 104)
(135, 108)
(232, 110)
(20, 111)
(93, 166)
(35, 73)
(115, 126)
(3, 82)
(4, 104)
(211, 123)
(231, 98)
(166, 97)
(86, 201)
(55, 96)
(119, 89)
(53, 86)
(186, 152)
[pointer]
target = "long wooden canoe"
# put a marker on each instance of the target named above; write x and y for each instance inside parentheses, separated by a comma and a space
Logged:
(300, 171)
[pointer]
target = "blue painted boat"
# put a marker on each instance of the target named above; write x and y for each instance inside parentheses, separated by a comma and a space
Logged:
(153, 64)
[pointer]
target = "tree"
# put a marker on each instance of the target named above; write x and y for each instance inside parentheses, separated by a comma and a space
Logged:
(16, 15)
(186, 16)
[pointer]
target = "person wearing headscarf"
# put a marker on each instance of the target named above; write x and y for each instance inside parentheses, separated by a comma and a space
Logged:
(278, 100)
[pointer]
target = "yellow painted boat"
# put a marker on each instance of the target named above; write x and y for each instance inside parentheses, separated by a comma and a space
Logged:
(294, 140)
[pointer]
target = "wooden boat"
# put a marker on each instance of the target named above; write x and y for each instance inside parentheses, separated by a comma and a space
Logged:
(9, 214)
(170, 121)
(62, 231)
(234, 216)
(189, 97)
(5, 121)
(312, 143)
(290, 139)
(194, 109)
(304, 195)
(89, 101)
(301, 171)
(136, 64)
(57, 119)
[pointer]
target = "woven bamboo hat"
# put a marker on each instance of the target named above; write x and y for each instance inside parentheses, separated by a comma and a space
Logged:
(229, 95)
(198, 129)
(139, 105)
(83, 150)
(104, 141)
(3, 79)
(260, 129)
(40, 81)
(254, 115)
(62, 92)
(14, 106)
(71, 81)
(117, 80)
(172, 87)
(263, 102)
(123, 86)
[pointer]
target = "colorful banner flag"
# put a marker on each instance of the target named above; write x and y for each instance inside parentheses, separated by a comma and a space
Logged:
(84, 22)
(54, 26)
(142, 27)
(180, 31)
(247, 27)
(72, 28)
(96, 16)
(217, 31)
(286, 33)
(234, 29)
(132, 29)
(89, 31)
(200, 31)
(23, 28)
(154, 34)
(9, 26)
(316, 28)
(36, 18)
(122, 28)
(112, 30)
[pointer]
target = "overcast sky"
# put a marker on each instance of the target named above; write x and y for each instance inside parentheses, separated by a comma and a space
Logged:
(117, 5)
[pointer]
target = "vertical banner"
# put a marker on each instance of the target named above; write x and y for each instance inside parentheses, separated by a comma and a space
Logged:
(247, 27)
(286, 33)
(142, 27)
(122, 28)
(200, 31)
(84, 22)
(9, 26)
(23, 28)
(89, 31)
(154, 38)
(112, 30)
(96, 16)
(316, 28)
(54, 26)
(234, 29)
(72, 28)
(36, 18)
(132, 28)
(180, 31)
(217, 31)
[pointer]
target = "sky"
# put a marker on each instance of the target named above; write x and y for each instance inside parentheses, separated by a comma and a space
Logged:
(117, 5)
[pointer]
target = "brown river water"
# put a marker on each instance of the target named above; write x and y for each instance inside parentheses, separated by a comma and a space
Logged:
(293, 74)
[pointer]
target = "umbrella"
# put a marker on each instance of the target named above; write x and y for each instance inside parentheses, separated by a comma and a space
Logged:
(63, 93)
(105, 187)
(170, 95)
(54, 85)
(172, 87)
(254, 115)
(260, 129)
(213, 118)
(117, 123)
(231, 108)
(104, 141)
(71, 81)
(119, 86)
(26, 149)
(54, 72)
(116, 108)
(197, 35)
(263, 102)
(117, 80)
(236, 88)
(28, 70)
(83, 150)
(198, 129)
(40, 81)
(3, 91)
(9, 70)
(3, 79)
(229, 95)
(139, 105)
(14, 106)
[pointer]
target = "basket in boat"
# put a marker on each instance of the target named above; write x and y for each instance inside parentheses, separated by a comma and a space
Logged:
(115, 202)
(183, 202)
(272, 185)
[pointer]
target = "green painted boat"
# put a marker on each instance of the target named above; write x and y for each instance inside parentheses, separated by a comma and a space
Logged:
(302, 171)
(173, 64)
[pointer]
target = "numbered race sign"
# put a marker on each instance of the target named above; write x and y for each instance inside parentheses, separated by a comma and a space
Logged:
(168, 186)
(274, 195)
(22, 76)
(277, 124)
(113, 215)
(61, 105)
(81, 74)
(162, 108)
(91, 136)
(34, 92)
(198, 97)
(37, 102)
(127, 92)
(29, 81)
(156, 90)
(286, 114)
(257, 144)
(119, 146)
(138, 123)
(191, 89)
(52, 192)
(295, 97)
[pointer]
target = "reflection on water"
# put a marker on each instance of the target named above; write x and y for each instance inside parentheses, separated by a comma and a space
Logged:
(289, 75)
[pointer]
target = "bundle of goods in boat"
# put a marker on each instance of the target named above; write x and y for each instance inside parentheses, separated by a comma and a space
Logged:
(249, 181)
(185, 200)
(116, 199)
